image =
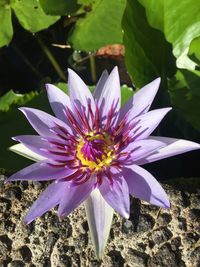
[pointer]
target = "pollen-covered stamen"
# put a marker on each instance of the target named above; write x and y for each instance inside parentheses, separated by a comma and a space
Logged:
(96, 151)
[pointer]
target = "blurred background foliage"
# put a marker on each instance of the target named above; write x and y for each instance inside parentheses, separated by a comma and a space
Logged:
(39, 39)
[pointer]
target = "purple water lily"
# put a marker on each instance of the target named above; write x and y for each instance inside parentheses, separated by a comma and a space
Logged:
(93, 151)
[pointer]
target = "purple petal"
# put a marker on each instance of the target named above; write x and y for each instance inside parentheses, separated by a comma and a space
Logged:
(46, 201)
(40, 171)
(100, 85)
(41, 146)
(99, 217)
(141, 101)
(42, 122)
(148, 122)
(144, 186)
(78, 91)
(111, 94)
(142, 148)
(58, 101)
(172, 147)
(74, 196)
(116, 195)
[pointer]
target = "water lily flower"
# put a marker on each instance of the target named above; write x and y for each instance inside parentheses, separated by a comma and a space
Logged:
(92, 151)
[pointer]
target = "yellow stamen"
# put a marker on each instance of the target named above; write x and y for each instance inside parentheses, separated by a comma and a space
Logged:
(107, 156)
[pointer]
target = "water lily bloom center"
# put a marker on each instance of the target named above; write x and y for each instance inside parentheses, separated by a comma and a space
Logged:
(96, 151)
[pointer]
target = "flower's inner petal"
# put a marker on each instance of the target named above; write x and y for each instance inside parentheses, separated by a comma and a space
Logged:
(79, 92)
(141, 101)
(43, 123)
(59, 101)
(100, 85)
(147, 123)
(110, 98)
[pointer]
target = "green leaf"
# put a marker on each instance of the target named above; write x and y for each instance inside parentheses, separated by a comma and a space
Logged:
(6, 29)
(194, 51)
(31, 16)
(101, 26)
(59, 7)
(126, 93)
(184, 90)
(148, 55)
(179, 21)
(10, 98)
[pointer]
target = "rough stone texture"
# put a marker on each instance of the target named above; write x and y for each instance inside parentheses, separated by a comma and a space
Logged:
(151, 237)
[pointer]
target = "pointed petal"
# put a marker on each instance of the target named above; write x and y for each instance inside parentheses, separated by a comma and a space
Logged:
(111, 93)
(141, 101)
(99, 216)
(148, 123)
(116, 195)
(78, 91)
(172, 147)
(142, 148)
(74, 196)
(40, 171)
(144, 186)
(42, 122)
(100, 85)
(58, 101)
(38, 145)
(46, 201)
(20, 149)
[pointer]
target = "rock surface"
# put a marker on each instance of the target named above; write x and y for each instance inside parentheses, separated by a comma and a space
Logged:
(151, 237)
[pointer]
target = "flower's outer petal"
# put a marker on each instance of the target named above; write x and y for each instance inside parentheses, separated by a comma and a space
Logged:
(144, 186)
(42, 122)
(100, 85)
(116, 195)
(78, 91)
(38, 145)
(58, 101)
(20, 149)
(141, 101)
(40, 171)
(142, 148)
(99, 216)
(74, 196)
(46, 201)
(111, 94)
(146, 123)
(172, 147)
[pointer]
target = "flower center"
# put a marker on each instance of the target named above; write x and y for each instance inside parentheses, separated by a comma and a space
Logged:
(95, 151)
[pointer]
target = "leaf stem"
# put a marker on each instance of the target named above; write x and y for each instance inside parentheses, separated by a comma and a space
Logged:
(51, 58)
(93, 68)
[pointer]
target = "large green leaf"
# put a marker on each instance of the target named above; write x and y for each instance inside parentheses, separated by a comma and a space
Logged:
(179, 21)
(6, 29)
(31, 16)
(100, 26)
(148, 55)
(59, 7)
(184, 90)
